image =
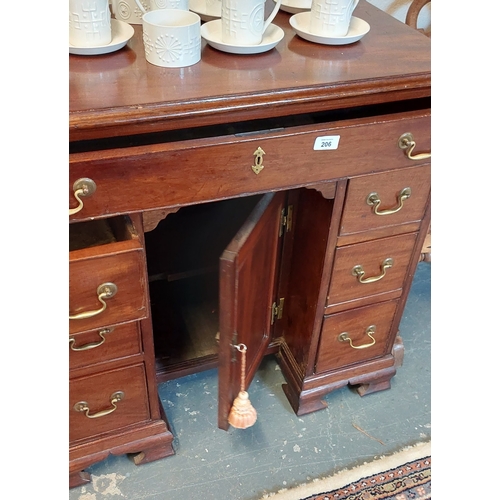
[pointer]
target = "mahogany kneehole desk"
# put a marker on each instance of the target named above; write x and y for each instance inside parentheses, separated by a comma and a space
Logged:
(278, 200)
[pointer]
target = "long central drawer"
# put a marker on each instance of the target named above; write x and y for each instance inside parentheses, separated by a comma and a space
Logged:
(191, 171)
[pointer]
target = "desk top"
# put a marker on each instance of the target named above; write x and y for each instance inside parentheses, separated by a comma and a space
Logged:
(122, 94)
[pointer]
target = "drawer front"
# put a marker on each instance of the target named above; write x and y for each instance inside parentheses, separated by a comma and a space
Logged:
(370, 268)
(104, 344)
(393, 208)
(185, 172)
(355, 324)
(107, 401)
(121, 264)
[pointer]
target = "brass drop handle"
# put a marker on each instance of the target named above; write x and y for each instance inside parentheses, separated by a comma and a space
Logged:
(370, 331)
(359, 272)
(83, 406)
(374, 201)
(104, 291)
(91, 345)
(82, 188)
(407, 144)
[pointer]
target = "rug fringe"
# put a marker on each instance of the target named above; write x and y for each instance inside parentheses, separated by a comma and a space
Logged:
(347, 476)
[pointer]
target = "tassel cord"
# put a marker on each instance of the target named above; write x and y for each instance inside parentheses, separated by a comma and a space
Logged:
(243, 349)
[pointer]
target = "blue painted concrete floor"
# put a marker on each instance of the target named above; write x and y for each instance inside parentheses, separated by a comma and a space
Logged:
(281, 450)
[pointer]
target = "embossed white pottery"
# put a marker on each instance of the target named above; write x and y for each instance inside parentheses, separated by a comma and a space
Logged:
(89, 23)
(122, 33)
(171, 37)
(243, 21)
(211, 32)
(358, 28)
(162, 4)
(331, 18)
(127, 10)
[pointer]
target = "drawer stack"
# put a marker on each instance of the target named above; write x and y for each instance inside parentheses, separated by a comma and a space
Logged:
(354, 252)
(374, 253)
(109, 401)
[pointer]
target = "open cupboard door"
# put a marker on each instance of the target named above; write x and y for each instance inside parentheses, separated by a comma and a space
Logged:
(248, 272)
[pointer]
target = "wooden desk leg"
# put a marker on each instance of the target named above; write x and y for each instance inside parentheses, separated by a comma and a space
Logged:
(383, 381)
(153, 454)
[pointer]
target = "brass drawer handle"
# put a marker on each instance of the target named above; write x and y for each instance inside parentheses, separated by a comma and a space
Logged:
(83, 406)
(104, 291)
(407, 144)
(370, 331)
(359, 272)
(82, 188)
(374, 201)
(91, 345)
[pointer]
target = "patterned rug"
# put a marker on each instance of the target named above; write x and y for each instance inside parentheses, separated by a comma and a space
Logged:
(406, 475)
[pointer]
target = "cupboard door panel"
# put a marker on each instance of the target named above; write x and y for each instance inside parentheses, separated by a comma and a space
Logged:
(247, 275)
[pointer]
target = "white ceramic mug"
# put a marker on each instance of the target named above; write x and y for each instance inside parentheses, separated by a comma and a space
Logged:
(331, 18)
(163, 4)
(89, 23)
(171, 37)
(127, 11)
(243, 21)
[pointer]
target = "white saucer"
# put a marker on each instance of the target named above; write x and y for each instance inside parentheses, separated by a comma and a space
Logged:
(211, 32)
(357, 30)
(295, 6)
(122, 33)
(200, 7)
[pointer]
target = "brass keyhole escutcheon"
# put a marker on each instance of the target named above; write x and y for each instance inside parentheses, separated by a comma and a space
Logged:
(259, 160)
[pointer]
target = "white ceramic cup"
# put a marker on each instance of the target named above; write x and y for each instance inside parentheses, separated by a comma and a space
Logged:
(171, 37)
(89, 23)
(162, 4)
(331, 18)
(243, 21)
(127, 11)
